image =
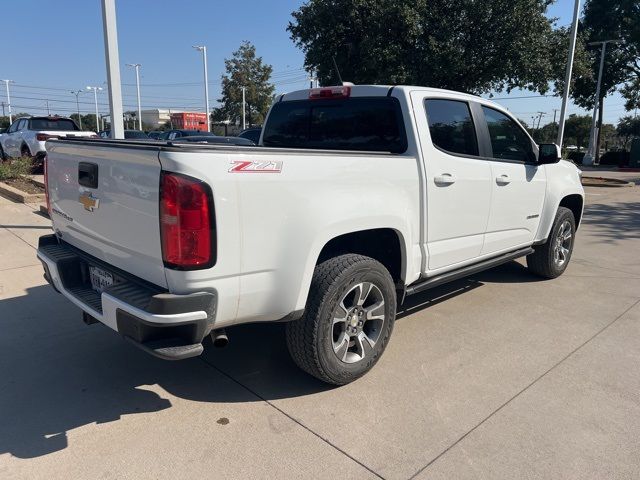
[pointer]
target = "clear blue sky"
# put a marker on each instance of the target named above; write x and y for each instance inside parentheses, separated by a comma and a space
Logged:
(57, 46)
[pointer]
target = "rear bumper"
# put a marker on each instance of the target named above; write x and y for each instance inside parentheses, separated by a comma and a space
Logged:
(163, 324)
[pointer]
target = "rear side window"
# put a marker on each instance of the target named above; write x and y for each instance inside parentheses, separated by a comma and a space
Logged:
(59, 124)
(451, 126)
(366, 123)
(508, 140)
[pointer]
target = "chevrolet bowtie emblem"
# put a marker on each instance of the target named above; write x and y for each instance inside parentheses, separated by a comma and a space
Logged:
(89, 202)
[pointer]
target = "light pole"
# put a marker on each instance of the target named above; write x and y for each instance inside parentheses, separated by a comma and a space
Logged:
(567, 77)
(203, 49)
(112, 58)
(95, 97)
(591, 154)
(244, 124)
(77, 94)
(137, 67)
(6, 83)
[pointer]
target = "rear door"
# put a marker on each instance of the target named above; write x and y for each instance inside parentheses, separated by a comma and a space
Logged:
(105, 201)
(458, 180)
(518, 184)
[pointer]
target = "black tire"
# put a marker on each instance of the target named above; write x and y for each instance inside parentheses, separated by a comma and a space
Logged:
(311, 339)
(544, 261)
(3, 156)
(25, 152)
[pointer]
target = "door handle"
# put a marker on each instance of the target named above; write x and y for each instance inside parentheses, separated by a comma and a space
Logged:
(444, 179)
(503, 180)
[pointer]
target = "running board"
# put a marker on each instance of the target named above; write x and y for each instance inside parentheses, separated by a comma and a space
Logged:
(466, 271)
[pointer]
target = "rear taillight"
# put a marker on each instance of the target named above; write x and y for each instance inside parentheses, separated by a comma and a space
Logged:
(187, 224)
(43, 137)
(330, 92)
(46, 184)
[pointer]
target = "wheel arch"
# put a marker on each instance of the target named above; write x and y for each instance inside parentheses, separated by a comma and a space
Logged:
(386, 245)
(575, 203)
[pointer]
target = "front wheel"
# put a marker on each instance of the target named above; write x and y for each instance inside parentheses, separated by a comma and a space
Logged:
(551, 259)
(347, 321)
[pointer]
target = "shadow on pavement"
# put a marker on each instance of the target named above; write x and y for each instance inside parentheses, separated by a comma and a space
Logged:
(59, 375)
(614, 222)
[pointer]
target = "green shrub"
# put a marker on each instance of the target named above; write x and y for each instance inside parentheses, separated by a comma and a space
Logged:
(14, 168)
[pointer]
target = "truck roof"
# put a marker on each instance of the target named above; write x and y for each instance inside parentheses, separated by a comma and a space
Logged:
(385, 90)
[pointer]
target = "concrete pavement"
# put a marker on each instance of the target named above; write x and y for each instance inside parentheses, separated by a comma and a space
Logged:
(497, 376)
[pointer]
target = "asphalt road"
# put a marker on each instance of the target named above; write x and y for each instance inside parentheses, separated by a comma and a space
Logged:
(499, 376)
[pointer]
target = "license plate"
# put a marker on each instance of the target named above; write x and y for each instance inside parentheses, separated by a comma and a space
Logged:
(100, 279)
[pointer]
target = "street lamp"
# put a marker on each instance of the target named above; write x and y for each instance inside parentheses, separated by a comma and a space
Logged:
(95, 97)
(6, 83)
(77, 94)
(137, 67)
(591, 155)
(203, 49)
(567, 77)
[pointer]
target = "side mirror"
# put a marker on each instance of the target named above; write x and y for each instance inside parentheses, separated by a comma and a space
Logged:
(548, 153)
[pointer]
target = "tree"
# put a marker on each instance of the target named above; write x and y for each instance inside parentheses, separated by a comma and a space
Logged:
(577, 128)
(547, 133)
(88, 122)
(462, 45)
(244, 69)
(610, 20)
(628, 127)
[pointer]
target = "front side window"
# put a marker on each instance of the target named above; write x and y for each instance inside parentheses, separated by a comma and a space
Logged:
(508, 140)
(13, 127)
(451, 126)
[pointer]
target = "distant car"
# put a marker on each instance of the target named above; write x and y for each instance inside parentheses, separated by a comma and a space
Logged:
(252, 134)
(154, 135)
(128, 134)
(26, 137)
(173, 134)
(216, 140)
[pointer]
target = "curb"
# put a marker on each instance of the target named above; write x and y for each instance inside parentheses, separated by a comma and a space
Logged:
(19, 195)
(609, 182)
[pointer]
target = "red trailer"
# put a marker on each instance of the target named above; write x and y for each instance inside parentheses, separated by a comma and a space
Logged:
(189, 121)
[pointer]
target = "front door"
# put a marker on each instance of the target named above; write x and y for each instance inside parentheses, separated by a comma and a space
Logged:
(518, 184)
(458, 180)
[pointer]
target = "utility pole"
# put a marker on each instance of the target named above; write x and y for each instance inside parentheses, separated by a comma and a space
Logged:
(3, 109)
(540, 115)
(137, 67)
(95, 98)
(567, 77)
(48, 111)
(6, 83)
(244, 123)
(555, 110)
(203, 49)
(77, 94)
(113, 67)
(592, 154)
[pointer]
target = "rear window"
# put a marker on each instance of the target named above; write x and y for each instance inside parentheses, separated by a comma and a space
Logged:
(52, 124)
(366, 123)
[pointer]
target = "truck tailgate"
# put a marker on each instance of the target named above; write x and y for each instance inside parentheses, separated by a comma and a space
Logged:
(104, 201)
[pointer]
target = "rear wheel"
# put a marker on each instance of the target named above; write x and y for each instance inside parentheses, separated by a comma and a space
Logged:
(3, 156)
(25, 152)
(347, 321)
(551, 259)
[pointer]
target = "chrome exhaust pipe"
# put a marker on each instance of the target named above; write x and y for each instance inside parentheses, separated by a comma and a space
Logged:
(219, 338)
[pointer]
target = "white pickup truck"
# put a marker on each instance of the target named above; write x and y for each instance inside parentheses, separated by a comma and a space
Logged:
(356, 197)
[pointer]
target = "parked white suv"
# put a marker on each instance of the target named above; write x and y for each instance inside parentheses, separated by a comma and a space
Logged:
(27, 136)
(356, 197)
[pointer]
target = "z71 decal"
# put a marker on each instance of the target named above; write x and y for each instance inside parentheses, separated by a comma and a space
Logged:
(245, 166)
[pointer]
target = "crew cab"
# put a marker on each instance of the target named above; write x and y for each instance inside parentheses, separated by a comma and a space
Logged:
(355, 198)
(27, 136)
